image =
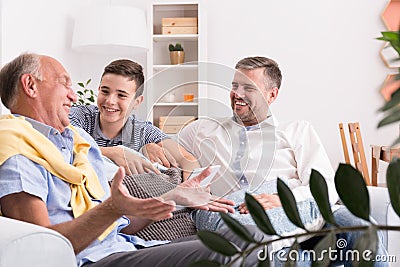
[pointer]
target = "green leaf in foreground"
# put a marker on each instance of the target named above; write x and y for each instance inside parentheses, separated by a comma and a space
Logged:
(393, 184)
(393, 116)
(217, 243)
(394, 101)
(393, 37)
(352, 190)
(321, 257)
(237, 228)
(367, 245)
(292, 255)
(259, 216)
(319, 190)
(289, 204)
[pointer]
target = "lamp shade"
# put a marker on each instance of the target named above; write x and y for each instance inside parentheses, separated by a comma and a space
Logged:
(110, 30)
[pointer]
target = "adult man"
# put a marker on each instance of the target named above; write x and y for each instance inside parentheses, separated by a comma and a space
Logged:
(52, 175)
(253, 149)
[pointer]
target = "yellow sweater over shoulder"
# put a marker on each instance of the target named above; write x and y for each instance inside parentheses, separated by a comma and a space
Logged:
(17, 136)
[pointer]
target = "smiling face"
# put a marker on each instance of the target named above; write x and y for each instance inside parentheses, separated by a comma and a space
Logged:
(116, 100)
(55, 94)
(249, 96)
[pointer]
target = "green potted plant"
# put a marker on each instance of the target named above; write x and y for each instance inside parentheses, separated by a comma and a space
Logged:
(177, 55)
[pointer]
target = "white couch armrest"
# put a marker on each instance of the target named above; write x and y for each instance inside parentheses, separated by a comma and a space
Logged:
(383, 213)
(25, 244)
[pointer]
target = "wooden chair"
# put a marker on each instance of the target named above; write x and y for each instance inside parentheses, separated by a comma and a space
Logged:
(357, 146)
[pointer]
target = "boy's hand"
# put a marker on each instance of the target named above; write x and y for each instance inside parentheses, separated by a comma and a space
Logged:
(132, 163)
(156, 153)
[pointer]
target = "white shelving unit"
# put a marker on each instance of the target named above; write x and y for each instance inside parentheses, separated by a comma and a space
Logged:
(166, 104)
(164, 79)
(178, 67)
(180, 37)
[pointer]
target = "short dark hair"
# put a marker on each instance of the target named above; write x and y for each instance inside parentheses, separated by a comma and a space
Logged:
(272, 73)
(129, 69)
(10, 75)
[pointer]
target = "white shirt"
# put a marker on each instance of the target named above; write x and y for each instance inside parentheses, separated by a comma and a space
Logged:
(266, 151)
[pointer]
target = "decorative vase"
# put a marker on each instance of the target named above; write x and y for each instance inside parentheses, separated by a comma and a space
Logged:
(177, 57)
(188, 97)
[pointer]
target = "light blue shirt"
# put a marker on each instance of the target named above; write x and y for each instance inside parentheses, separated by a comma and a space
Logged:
(243, 144)
(19, 174)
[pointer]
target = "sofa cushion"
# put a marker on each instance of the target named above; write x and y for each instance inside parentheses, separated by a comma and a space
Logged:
(153, 185)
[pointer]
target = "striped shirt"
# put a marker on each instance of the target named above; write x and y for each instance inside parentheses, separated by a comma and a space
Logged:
(135, 133)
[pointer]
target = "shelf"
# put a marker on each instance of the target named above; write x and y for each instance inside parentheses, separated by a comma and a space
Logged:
(162, 7)
(390, 15)
(386, 90)
(390, 56)
(165, 104)
(176, 67)
(170, 83)
(171, 37)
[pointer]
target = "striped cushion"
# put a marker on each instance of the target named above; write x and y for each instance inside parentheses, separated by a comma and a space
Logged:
(152, 185)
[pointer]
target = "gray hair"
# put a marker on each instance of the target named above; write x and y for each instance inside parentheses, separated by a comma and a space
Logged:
(272, 73)
(11, 73)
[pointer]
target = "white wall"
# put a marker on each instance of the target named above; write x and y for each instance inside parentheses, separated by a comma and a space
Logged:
(326, 49)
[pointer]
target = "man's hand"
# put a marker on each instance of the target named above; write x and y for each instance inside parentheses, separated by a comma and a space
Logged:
(268, 201)
(133, 164)
(219, 204)
(155, 153)
(191, 194)
(124, 204)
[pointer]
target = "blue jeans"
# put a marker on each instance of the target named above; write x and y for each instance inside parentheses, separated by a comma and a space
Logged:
(343, 218)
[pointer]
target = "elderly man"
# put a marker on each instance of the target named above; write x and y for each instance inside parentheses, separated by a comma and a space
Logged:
(52, 175)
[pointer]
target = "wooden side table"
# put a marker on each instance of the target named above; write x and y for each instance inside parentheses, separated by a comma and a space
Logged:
(385, 153)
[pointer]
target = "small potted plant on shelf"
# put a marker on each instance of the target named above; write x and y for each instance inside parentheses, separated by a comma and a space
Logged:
(177, 55)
